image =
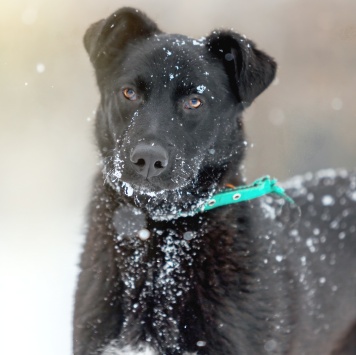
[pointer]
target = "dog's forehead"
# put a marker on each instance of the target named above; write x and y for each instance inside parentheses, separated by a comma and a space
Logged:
(177, 41)
(175, 47)
(170, 54)
(173, 61)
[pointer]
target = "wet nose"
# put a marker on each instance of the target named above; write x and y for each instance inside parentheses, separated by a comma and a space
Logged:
(149, 160)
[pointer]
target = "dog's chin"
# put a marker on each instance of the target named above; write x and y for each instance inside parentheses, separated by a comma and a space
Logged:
(166, 202)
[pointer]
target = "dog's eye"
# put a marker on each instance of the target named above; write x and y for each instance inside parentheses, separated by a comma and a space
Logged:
(193, 104)
(130, 94)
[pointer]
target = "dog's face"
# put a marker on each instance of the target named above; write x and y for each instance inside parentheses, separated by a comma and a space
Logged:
(169, 122)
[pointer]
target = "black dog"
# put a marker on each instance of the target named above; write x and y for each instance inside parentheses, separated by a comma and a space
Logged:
(158, 275)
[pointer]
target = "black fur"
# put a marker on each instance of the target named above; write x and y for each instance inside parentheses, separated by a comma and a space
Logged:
(252, 278)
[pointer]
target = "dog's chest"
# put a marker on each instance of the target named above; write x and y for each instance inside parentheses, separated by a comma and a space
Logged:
(157, 276)
(159, 265)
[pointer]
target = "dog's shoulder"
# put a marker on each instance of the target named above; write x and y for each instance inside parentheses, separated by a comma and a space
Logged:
(321, 222)
(325, 188)
(323, 211)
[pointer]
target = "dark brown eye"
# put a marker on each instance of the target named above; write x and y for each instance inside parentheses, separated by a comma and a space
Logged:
(130, 94)
(193, 104)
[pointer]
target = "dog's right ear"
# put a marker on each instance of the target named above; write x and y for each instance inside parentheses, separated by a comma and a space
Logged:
(105, 39)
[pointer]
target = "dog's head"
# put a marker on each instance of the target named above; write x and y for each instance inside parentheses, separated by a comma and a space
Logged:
(169, 122)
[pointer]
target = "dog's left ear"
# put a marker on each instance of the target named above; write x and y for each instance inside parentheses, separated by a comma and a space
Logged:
(250, 70)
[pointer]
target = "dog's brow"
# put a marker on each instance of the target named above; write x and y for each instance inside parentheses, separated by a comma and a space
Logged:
(186, 88)
(139, 81)
(142, 83)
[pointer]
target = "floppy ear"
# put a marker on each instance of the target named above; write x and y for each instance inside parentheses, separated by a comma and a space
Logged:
(250, 70)
(105, 39)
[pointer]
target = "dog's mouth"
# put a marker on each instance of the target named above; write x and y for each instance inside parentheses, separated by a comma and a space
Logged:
(129, 181)
(166, 204)
(147, 176)
(183, 190)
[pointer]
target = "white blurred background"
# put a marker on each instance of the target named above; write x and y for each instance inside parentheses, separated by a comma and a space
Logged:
(305, 121)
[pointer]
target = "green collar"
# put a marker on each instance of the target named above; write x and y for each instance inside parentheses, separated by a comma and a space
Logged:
(260, 187)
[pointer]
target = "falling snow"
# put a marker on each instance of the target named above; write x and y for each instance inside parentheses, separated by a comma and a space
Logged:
(327, 200)
(40, 68)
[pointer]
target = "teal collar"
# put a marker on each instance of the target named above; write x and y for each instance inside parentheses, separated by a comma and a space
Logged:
(260, 187)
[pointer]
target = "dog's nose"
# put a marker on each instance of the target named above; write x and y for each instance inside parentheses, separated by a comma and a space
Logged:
(149, 160)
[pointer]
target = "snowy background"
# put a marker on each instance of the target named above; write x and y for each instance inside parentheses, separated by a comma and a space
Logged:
(305, 121)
